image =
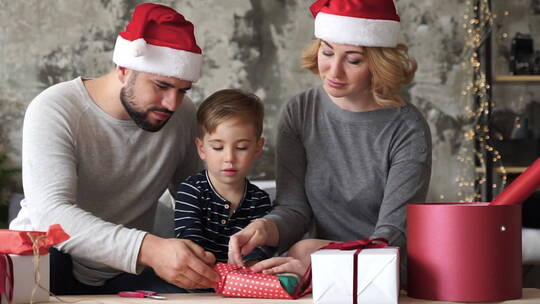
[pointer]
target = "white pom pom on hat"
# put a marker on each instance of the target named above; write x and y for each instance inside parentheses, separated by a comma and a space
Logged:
(138, 47)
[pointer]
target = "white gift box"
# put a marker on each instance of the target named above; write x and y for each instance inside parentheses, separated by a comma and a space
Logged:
(378, 276)
(23, 278)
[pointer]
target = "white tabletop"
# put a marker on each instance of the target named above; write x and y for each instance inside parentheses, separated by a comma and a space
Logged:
(530, 296)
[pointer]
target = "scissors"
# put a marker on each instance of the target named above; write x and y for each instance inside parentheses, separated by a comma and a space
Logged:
(141, 294)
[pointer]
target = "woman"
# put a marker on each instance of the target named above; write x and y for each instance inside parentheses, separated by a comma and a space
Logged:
(351, 153)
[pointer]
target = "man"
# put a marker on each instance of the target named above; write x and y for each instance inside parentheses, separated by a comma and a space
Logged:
(98, 153)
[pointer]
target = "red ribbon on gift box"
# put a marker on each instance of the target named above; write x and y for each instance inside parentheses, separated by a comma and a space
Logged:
(353, 245)
(23, 242)
(6, 278)
(358, 245)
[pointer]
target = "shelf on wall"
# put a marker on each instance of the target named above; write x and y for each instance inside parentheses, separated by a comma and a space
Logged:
(508, 170)
(516, 78)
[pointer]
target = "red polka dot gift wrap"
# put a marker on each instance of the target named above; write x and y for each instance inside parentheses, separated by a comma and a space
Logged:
(240, 281)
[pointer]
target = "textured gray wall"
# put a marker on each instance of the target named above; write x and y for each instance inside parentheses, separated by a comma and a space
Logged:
(249, 44)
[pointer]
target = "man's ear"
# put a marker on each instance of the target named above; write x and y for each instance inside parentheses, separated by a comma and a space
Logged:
(260, 146)
(122, 74)
(200, 147)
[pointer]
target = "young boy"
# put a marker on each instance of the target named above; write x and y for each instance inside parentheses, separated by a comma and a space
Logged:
(216, 203)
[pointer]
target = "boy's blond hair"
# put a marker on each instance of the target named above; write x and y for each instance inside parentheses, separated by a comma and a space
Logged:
(390, 68)
(227, 104)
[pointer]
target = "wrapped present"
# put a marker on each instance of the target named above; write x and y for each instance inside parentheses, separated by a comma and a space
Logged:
(24, 263)
(240, 281)
(364, 271)
(24, 283)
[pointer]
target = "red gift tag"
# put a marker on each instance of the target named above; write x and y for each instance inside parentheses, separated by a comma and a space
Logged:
(240, 281)
(21, 242)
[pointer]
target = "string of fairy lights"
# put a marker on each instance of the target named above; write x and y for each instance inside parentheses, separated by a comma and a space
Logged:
(478, 21)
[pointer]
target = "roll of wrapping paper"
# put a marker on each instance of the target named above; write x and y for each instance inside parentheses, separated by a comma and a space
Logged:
(521, 188)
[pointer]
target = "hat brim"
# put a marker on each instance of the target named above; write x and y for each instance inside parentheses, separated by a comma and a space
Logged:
(356, 31)
(158, 60)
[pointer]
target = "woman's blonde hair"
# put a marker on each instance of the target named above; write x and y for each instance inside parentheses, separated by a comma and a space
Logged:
(390, 69)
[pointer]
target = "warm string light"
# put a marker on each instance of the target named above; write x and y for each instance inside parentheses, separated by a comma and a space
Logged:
(478, 22)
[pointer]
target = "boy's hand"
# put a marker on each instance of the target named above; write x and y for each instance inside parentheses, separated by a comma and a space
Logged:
(179, 262)
(258, 233)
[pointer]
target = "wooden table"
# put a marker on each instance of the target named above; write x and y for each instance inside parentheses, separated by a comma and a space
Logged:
(530, 296)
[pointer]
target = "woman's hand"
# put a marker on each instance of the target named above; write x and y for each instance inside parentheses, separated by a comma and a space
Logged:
(297, 262)
(258, 233)
(281, 265)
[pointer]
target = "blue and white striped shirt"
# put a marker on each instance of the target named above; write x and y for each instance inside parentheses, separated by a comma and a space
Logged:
(202, 215)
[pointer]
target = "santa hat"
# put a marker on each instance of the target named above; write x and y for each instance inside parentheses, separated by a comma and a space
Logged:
(372, 23)
(159, 40)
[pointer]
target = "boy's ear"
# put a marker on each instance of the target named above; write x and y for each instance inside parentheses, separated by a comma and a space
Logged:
(260, 146)
(200, 147)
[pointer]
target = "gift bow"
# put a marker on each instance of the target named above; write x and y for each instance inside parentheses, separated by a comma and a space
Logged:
(23, 242)
(6, 278)
(353, 245)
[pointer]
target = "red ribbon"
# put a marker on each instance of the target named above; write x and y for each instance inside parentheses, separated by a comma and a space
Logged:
(6, 278)
(353, 245)
(304, 285)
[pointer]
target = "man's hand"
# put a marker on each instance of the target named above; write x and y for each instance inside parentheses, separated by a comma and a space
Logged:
(258, 233)
(179, 262)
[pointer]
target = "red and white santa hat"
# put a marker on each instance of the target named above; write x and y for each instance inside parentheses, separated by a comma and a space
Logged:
(161, 41)
(373, 23)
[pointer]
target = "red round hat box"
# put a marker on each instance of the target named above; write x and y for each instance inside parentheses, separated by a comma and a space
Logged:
(464, 252)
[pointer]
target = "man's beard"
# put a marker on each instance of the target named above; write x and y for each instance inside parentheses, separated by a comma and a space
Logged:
(127, 97)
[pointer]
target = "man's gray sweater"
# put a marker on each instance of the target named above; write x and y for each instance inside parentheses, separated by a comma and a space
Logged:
(99, 177)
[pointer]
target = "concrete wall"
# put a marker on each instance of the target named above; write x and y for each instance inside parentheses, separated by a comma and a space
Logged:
(248, 44)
